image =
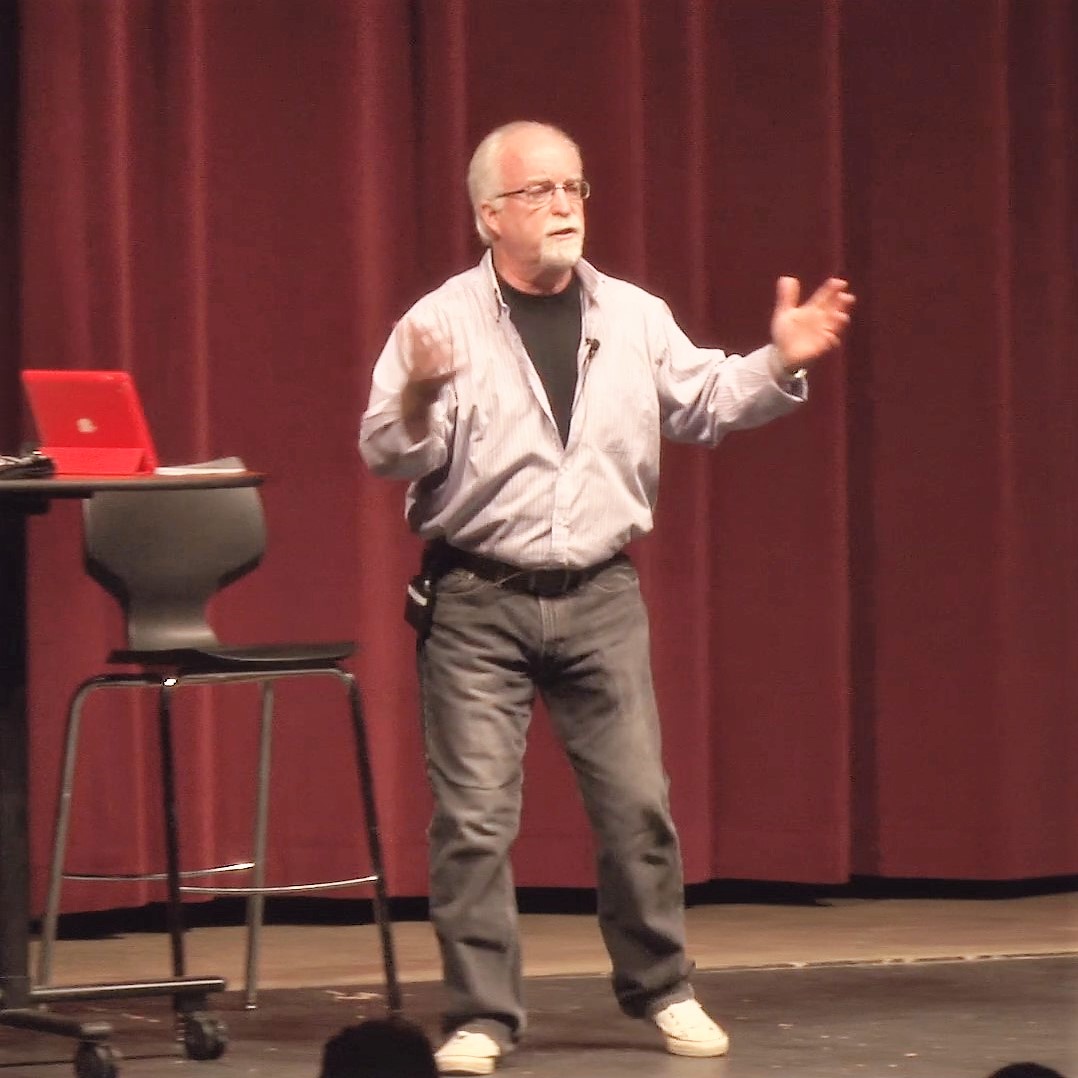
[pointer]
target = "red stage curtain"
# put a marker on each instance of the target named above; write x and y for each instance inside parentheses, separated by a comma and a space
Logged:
(863, 616)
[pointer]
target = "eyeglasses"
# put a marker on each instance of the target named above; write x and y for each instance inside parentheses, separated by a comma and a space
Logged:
(539, 194)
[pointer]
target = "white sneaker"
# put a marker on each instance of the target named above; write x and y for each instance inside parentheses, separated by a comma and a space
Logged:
(468, 1052)
(689, 1031)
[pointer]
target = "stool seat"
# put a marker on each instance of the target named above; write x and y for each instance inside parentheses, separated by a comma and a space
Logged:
(252, 656)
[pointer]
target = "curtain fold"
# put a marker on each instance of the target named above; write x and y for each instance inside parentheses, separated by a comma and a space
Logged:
(863, 617)
(968, 216)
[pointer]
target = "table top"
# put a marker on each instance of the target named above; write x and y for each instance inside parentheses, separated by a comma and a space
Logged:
(84, 486)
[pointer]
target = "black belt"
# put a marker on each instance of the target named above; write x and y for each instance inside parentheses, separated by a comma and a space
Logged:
(544, 583)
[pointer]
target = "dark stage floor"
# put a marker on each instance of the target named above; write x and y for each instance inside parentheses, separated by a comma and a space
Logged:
(933, 1019)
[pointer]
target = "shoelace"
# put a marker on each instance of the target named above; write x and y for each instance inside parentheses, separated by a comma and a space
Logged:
(679, 1023)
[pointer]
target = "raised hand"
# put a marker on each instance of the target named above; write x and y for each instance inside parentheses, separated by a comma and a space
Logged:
(804, 333)
(431, 365)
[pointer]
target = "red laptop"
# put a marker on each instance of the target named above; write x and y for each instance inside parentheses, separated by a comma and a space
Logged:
(90, 422)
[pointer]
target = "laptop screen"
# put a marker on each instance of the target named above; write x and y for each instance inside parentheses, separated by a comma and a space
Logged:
(90, 422)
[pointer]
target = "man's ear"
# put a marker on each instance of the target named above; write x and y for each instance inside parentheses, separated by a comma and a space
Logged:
(490, 218)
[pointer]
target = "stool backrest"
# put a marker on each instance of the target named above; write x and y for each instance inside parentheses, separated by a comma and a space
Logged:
(164, 553)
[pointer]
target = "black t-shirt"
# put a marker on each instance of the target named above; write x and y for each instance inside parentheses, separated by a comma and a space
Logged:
(549, 326)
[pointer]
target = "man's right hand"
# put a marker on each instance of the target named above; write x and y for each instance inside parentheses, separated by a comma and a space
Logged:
(430, 366)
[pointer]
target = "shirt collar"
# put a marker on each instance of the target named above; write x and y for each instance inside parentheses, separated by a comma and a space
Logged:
(590, 280)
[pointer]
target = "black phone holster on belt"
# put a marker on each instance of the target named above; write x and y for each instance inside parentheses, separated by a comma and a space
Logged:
(419, 597)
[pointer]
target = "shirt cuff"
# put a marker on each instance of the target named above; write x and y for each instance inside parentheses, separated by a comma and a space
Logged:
(793, 382)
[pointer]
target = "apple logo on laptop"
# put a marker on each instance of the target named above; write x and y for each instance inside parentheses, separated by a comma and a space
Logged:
(85, 426)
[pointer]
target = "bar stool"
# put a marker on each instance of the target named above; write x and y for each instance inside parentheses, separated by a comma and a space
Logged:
(163, 555)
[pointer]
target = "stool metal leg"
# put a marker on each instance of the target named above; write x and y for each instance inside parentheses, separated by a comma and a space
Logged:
(172, 839)
(256, 901)
(374, 843)
(51, 917)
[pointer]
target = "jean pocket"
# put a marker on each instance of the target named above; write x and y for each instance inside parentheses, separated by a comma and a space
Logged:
(617, 578)
(462, 583)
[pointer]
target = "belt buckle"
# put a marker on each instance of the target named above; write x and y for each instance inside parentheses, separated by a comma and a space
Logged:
(546, 583)
(559, 581)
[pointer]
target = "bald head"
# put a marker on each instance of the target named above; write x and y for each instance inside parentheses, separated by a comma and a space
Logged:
(486, 174)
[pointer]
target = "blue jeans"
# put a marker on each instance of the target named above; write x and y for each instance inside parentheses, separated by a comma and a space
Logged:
(587, 653)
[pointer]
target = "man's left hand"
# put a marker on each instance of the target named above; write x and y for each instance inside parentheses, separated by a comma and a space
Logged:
(804, 333)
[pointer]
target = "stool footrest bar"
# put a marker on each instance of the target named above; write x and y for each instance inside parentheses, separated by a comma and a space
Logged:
(294, 888)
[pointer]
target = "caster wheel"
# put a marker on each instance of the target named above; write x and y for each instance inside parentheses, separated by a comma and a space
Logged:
(95, 1060)
(204, 1037)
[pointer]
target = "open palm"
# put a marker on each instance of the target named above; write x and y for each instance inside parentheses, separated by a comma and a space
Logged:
(804, 333)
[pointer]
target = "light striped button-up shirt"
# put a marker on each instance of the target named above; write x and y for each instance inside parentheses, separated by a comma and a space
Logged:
(493, 477)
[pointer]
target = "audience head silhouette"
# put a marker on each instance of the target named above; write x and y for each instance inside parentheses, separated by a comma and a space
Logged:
(1025, 1070)
(379, 1048)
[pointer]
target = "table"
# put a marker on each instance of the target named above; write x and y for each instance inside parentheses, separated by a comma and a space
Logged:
(20, 499)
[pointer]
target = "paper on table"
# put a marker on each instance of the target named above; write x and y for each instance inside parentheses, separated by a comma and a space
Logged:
(222, 465)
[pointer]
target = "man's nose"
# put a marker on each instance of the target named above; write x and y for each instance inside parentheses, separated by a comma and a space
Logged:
(560, 201)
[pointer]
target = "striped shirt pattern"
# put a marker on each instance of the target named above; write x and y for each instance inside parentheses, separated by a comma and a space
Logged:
(493, 476)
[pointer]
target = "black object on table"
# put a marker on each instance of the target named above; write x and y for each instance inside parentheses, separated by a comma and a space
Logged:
(203, 1036)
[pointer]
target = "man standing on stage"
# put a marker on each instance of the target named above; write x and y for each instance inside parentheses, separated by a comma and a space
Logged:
(525, 399)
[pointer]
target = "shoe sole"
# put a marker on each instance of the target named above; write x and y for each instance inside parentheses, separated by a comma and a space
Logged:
(472, 1066)
(696, 1051)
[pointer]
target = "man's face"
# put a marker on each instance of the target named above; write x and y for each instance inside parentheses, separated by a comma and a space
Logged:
(536, 245)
